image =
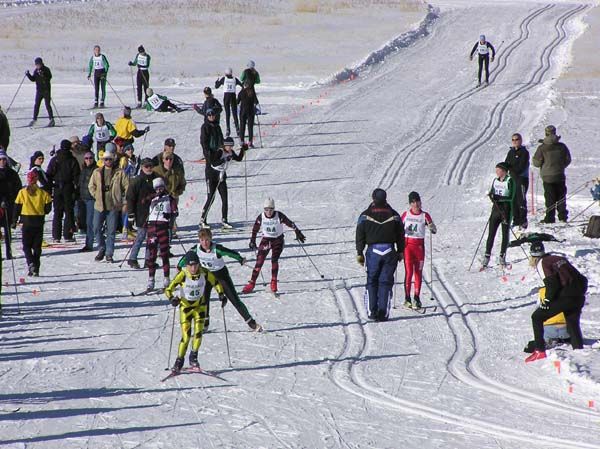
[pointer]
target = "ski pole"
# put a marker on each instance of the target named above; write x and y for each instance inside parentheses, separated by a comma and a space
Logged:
(15, 95)
(479, 244)
(171, 340)
(132, 83)
(310, 259)
(431, 265)
(12, 260)
(226, 336)
(56, 111)
(246, 184)
(261, 273)
(114, 91)
(259, 133)
(580, 213)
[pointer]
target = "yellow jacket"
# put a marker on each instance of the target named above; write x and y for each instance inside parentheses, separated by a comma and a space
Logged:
(191, 286)
(125, 128)
(559, 318)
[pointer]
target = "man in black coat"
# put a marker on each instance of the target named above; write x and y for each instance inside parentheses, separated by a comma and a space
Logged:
(210, 104)
(10, 184)
(139, 194)
(63, 173)
(381, 229)
(4, 131)
(41, 76)
(517, 160)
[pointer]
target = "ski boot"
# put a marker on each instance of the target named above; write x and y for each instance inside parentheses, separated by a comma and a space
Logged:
(250, 145)
(31, 123)
(485, 262)
(166, 282)
(203, 225)
(178, 365)
(51, 123)
(139, 105)
(99, 256)
(228, 133)
(206, 324)
(254, 325)
(381, 316)
(407, 302)
(95, 105)
(133, 264)
(416, 303)
(274, 285)
(102, 104)
(226, 224)
(109, 259)
(536, 355)
(31, 269)
(194, 359)
(249, 288)
(502, 261)
(150, 284)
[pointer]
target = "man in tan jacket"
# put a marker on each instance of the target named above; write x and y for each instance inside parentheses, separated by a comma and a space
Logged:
(108, 186)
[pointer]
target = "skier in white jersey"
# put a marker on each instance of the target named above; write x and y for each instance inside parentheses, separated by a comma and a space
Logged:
(99, 66)
(142, 62)
(270, 223)
(483, 48)
(229, 83)
(159, 103)
(416, 221)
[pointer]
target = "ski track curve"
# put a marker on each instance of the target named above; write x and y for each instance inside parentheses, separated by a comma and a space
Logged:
(456, 171)
(347, 376)
(456, 315)
(402, 157)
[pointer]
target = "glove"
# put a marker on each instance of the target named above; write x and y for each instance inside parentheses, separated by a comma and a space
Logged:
(89, 76)
(243, 261)
(147, 128)
(244, 147)
(223, 299)
(130, 64)
(131, 219)
(167, 215)
(470, 58)
(360, 259)
(432, 227)
(175, 300)
(14, 224)
(257, 110)
(4, 205)
(27, 73)
(493, 58)
(299, 236)
(197, 108)
(400, 257)
(103, 77)
(252, 245)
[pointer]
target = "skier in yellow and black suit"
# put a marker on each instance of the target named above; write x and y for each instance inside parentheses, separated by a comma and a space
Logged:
(192, 278)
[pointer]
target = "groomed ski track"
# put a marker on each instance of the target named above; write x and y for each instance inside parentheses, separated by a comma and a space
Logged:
(322, 375)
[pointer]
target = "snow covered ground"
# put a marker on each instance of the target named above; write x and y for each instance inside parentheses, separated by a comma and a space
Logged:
(81, 366)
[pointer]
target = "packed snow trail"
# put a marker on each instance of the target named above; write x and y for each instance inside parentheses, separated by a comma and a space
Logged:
(82, 366)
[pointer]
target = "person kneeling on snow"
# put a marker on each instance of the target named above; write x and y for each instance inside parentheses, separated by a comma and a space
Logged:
(192, 304)
(565, 292)
(159, 103)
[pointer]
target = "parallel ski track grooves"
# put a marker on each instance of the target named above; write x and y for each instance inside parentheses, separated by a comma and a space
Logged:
(471, 374)
(347, 377)
(457, 171)
(403, 154)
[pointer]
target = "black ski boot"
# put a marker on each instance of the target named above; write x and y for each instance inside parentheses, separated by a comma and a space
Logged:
(194, 359)
(178, 364)
(416, 304)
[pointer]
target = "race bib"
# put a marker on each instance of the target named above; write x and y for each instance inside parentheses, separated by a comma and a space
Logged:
(271, 227)
(229, 85)
(209, 260)
(142, 61)
(483, 49)
(155, 101)
(158, 207)
(98, 63)
(193, 288)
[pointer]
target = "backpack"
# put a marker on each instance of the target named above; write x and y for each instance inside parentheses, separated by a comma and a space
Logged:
(593, 228)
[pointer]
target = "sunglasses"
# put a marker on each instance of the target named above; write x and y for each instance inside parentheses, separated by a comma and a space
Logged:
(88, 158)
(269, 208)
(515, 139)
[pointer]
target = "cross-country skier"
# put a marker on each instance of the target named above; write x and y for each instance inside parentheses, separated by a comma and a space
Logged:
(32, 205)
(250, 75)
(211, 256)
(43, 90)
(4, 131)
(126, 127)
(216, 178)
(565, 292)
(483, 48)
(210, 104)
(248, 103)
(138, 206)
(163, 208)
(229, 83)
(192, 306)
(501, 194)
(159, 103)
(517, 161)
(36, 161)
(415, 222)
(63, 173)
(270, 224)
(142, 61)
(99, 66)
(10, 184)
(380, 227)
(102, 132)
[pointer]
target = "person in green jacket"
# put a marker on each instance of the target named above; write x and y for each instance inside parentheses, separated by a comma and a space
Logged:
(211, 257)
(502, 193)
(159, 103)
(102, 132)
(142, 62)
(99, 65)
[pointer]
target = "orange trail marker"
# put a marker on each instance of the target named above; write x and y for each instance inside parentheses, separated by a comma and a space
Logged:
(557, 366)
(22, 280)
(570, 389)
(591, 403)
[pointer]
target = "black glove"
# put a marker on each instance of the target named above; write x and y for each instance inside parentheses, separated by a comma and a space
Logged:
(243, 261)
(4, 205)
(27, 73)
(400, 257)
(299, 236)
(252, 245)
(131, 219)
(175, 300)
(14, 224)
(360, 259)
(103, 76)
(244, 147)
(167, 215)
(147, 128)
(223, 299)
(130, 64)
